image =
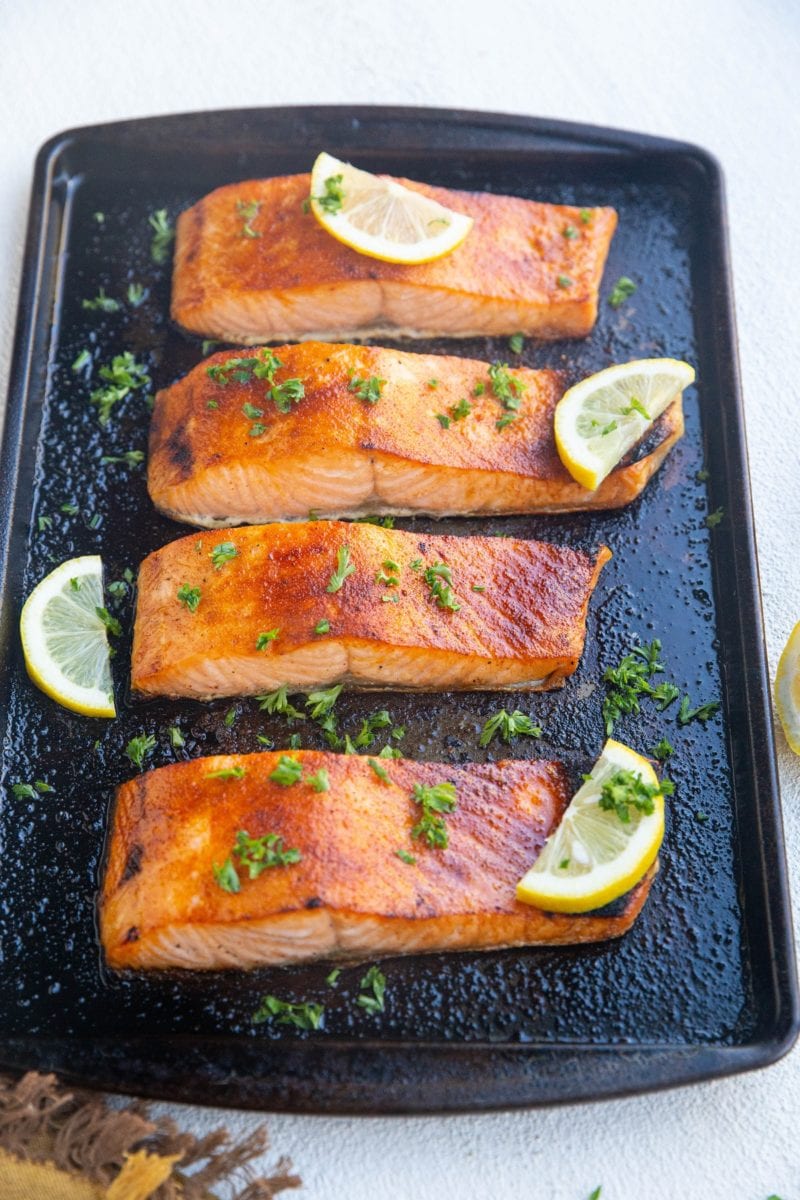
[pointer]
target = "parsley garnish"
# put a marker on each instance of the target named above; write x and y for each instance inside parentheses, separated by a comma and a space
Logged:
(294, 741)
(222, 554)
(713, 519)
(248, 210)
(137, 294)
(439, 579)
(290, 392)
(138, 748)
(320, 782)
(236, 772)
(508, 390)
(344, 568)
(406, 857)
(662, 750)
(257, 854)
(123, 375)
(31, 791)
(626, 790)
(460, 410)
(102, 303)
(369, 390)
(323, 626)
(208, 346)
(631, 679)
(621, 291)
(586, 216)
(302, 1015)
(287, 772)
(390, 575)
(333, 977)
(508, 725)
(380, 771)
(111, 623)
(43, 523)
(230, 717)
(443, 420)
(118, 588)
(703, 712)
(251, 411)
(516, 343)
(636, 406)
(277, 702)
(369, 726)
(385, 522)
(130, 458)
(609, 428)
(564, 281)
(84, 359)
(321, 702)
(479, 389)
(375, 981)
(176, 738)
(433, 383)
(226, 876)
(263, 639)
(434, 800)
(569, 232)
(189, 597)
(163, 233)
(237, 369)
(332, 199)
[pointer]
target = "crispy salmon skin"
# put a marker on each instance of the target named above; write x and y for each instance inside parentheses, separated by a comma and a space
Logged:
(348, 893)
(434, 435)
(322, 602)
(525, 267)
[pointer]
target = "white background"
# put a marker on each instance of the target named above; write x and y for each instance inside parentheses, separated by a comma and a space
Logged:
(723, 73)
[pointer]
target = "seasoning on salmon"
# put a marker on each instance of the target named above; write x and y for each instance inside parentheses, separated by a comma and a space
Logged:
(346, 430)
(360, 605)
(180, 890)
(525, 267)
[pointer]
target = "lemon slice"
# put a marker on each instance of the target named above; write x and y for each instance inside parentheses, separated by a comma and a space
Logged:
(65, 642)
(787, 689)
(593, 856)
(599, 419)
(381, 218)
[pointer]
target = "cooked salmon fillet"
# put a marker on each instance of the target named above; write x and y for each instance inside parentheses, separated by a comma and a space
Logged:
(524, 267)
(204, 602)
(350, 895)
(221, 452)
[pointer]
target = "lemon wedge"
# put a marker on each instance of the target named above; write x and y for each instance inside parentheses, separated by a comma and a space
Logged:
(594, 855)
(381, 218)
(599, 419)
(65, 641)
(787, 689)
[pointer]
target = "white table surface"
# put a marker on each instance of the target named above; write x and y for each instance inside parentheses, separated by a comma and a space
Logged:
(722, 73)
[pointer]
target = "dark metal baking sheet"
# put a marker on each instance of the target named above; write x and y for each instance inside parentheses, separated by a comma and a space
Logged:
(704, 983)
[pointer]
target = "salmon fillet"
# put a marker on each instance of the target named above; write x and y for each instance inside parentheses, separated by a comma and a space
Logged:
(221, 453)
(516, 272)
(350, 895)
(525, 630)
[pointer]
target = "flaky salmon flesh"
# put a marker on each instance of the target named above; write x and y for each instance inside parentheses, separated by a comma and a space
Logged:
(525, 267)
(344, 892)
(374, 431)
(316, 603)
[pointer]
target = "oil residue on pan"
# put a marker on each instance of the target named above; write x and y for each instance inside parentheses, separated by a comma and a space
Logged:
(680, 976)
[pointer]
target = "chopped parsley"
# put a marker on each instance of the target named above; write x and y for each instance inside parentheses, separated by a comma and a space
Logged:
(564, 281)
(226, 876)
(237, 369)
(369, 390)
(370, 726)
(626, 790)
(323, 626)
(333, 977)
(31, 791)
(163, 233)
(302, 1015)
(137, 294)
(226, 773)
(569, 232)
(373, 998)
(111, 623)
(122, 375)
(516, 343)
(609, 428)
(287, 772)
(439, 579)
(380, 771)
(230, 717)
(102, 303)
(294, 741)
(390, 575)
(248, 210)
(129, 458)
(84, 359)
(636, 406)
(508, 390)
(332, 198)
(703, 712)
(630, 679)
(43, 523)
(258, 429)
(189, 597)
(479, 389)
(713, 519)
(139, 748)
(251, 411)
(433, 383)
(406, 857)
(176, 738)
(622, 290)
(508, 725)
(208, 346)
(344, 568)
(264, 639)
(223, 553)
(257, 854)
(443, 420)
(586, 216)
(322, 701)
(285, 394)
(662, 750)
(320, 782)
(385, 522)
(461, 410)
(434, 800)
(278, 702)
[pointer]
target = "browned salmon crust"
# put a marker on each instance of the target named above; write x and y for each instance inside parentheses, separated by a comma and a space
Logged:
(521, 621)
(222, 454)
(350, 895)
(516, 272)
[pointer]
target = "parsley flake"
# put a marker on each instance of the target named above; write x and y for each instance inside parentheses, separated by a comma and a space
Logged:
(227, 773)
(248, 210)
(302, 1015)
(189, 597)
(368, 390)
(222, 554)
(373, 999)
(139, 748)
(287, 772)
(508, 725)
(102, 303)
(344, 568)
(333, 197)
(264, 639)
(434, 800)
(622, 290)
(163, 234)
(703, 712)
(516, 343)
(439, 579)
(323, 626)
